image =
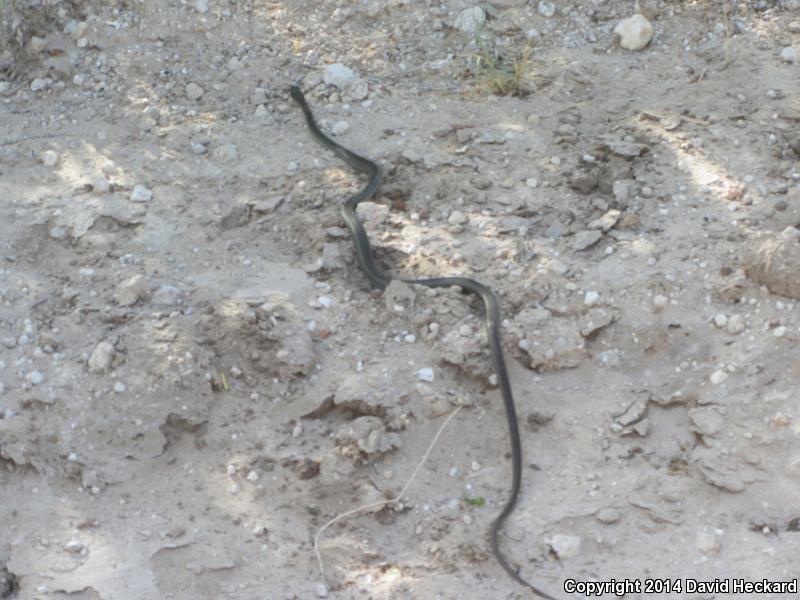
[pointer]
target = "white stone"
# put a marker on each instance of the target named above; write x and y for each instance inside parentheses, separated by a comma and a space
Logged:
(720, 320)
(49, 158)
(425, 374)
(34, 377)
(252, 476)
(201, 6)
(457, 218)
(321, 590)
(119, 387)
(73, 546)
(634, 33)
(340, 127)
(130, 291)
(531, 182)
(660, 301)
(38, 85)
(339, 75)
(707, 542)
(718, 377)
(226, 152)
(470, 20)
(779, 331)
(547, 9)
(565, 546)
(101, 357)
(193, 91)
(789, 55)
(141, 194)
(591, 298)
(735, 324)
(100, 184)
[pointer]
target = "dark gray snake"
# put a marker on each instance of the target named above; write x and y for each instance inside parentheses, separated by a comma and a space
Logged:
(380, 280)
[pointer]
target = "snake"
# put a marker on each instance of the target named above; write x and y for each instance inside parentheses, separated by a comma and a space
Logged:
(380, 279)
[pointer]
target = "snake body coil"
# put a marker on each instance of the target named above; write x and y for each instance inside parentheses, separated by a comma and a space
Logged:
(380, 280)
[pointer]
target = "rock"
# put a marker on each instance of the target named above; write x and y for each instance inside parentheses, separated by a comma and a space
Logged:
(565, 546)
(119, 387)
(49, 158)
(193, 91)
(706, 420)
(735, 325)
(634, 33)
(340, 127)
(532, 182)
(789, 55)
(718, 377)
(425, 374)
(607, 221)
(34, 378)
(470, 20)
(321, 590)
(226, 152)
(73, 547)
(201, 6)
(457, 218)
(35, 45)
(707, 542)
(269, 205)
(100, 184)
(130, 291)
(546, 9)
(585, 239)
(591, 298)
(37, 85)
(166, 295)
(720, 320)
(369, 435)
(584, 183)
(608, 516)
(774, 261)
(101, 357)
(141, 194)
(339, 75)
(198, 148)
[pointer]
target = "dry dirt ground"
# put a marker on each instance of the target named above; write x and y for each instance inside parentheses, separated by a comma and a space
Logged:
(195, 376)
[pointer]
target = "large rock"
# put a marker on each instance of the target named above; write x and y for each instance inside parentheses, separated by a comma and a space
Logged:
(774, 261)
(634, 33)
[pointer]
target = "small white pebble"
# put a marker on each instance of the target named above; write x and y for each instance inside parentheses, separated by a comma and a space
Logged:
(660, 301)
(718, 377)
(476, 466)
(119, 387)
(779, 331)
(465, 330)
(34, 377)
(141, 194)
(233, 489)
(340, 127)
(425, 374)
(453, 472)
(591, 298)
(321, 590)
(49, 158)
(73, 546)
(531, 182)
(252, 476)
(789, 55)
(231, 470)
(720, 320)
(297, 431)
(410, 338)
(325, 301)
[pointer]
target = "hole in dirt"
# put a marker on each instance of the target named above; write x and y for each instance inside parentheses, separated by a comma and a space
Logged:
(8, 584)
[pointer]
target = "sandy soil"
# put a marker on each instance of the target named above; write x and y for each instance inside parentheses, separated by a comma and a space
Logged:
(195, 376)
